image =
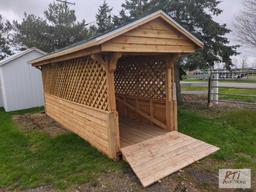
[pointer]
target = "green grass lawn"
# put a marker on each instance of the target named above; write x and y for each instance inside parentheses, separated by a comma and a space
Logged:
(233, 132)
(32, 159)
(246, 92)
(251, 80)
(194, 88)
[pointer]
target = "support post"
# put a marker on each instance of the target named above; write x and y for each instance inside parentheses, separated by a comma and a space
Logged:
(213, 89)
(113, 131)
(171, 100)
(210, 91)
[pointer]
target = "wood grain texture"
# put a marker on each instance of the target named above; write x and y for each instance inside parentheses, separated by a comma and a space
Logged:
(163, 155)
(136, 131)
(90, 124)
(156, 36)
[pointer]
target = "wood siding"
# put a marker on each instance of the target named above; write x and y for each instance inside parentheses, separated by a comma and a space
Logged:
(155, 36)
(89, 123)
(147, 110)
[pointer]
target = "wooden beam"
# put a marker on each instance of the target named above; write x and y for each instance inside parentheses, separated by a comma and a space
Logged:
(74, 55)
(171, 103)
(111, 67)
(113, 134)
(113, 62)
(109, 64)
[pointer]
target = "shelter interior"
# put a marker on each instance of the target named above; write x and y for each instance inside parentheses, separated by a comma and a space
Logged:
(140, 90)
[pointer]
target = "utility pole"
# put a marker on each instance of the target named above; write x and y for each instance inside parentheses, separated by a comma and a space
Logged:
(66, 3)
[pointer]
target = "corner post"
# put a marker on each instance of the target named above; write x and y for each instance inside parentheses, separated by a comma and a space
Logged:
(114, 135)
(171, 100)
(109, 64)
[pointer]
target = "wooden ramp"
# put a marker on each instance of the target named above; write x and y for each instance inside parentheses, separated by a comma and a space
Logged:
(156, 158)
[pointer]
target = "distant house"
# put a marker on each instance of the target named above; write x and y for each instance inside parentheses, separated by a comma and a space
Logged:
(197, 74)
(20, 83)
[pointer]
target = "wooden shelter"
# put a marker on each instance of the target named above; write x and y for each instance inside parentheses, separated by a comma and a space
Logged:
(117, 90)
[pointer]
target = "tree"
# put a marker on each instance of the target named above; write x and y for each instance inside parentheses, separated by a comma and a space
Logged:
(33, 31)
(197, 17)
(104, 18)
(59, 28)
(245, 24)
(135, 9)
(5, 44)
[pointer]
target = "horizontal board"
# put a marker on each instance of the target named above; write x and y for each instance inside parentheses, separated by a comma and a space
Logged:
(91, 125)
(147, 48)
(150, 41)
(154, 33)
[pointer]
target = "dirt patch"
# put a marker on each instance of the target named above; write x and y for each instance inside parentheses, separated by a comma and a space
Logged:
(3, 190)
(127, 181)
(41, 189)
(41, 122)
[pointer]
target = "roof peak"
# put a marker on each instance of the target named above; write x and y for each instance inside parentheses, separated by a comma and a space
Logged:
(98, 40)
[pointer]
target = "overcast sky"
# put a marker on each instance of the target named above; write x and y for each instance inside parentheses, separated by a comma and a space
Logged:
(86, 9)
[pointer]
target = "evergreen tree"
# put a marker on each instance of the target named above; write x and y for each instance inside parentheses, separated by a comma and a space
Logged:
(33, 31)
(104, 18)
(131, 10)
(59, 28)
(5, 44)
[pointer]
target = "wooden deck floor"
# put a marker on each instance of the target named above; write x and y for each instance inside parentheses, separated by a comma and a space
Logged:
(154, 153)
(133, 132)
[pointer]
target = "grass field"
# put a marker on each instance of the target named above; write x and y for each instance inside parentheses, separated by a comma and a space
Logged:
(246, 92)
(32, 159)
(252, 80)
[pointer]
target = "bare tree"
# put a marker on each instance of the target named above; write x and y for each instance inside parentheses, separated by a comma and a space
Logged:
(245, 24)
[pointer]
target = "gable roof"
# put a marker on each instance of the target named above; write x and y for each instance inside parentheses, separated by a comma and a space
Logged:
(98, 40)
(20, 54)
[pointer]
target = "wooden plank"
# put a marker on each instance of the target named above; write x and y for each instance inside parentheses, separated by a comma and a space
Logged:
(119, 47)
(94, 126)
(153, 159)
(132, 131)
(154, 33)
(113, 134)
(155, 121)
(63, 57)
(149, 41)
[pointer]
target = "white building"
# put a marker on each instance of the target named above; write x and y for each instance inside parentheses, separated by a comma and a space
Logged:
(20, 83)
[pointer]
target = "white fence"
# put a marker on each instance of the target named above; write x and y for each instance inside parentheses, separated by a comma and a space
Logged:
(225, 87)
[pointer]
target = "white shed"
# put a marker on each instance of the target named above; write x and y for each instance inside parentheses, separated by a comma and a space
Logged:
(21, 84)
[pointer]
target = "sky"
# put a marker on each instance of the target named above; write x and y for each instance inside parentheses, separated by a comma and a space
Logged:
(86, 9)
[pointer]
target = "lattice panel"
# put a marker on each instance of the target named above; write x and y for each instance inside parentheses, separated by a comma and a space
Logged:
(79, 80)
(141, 77)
